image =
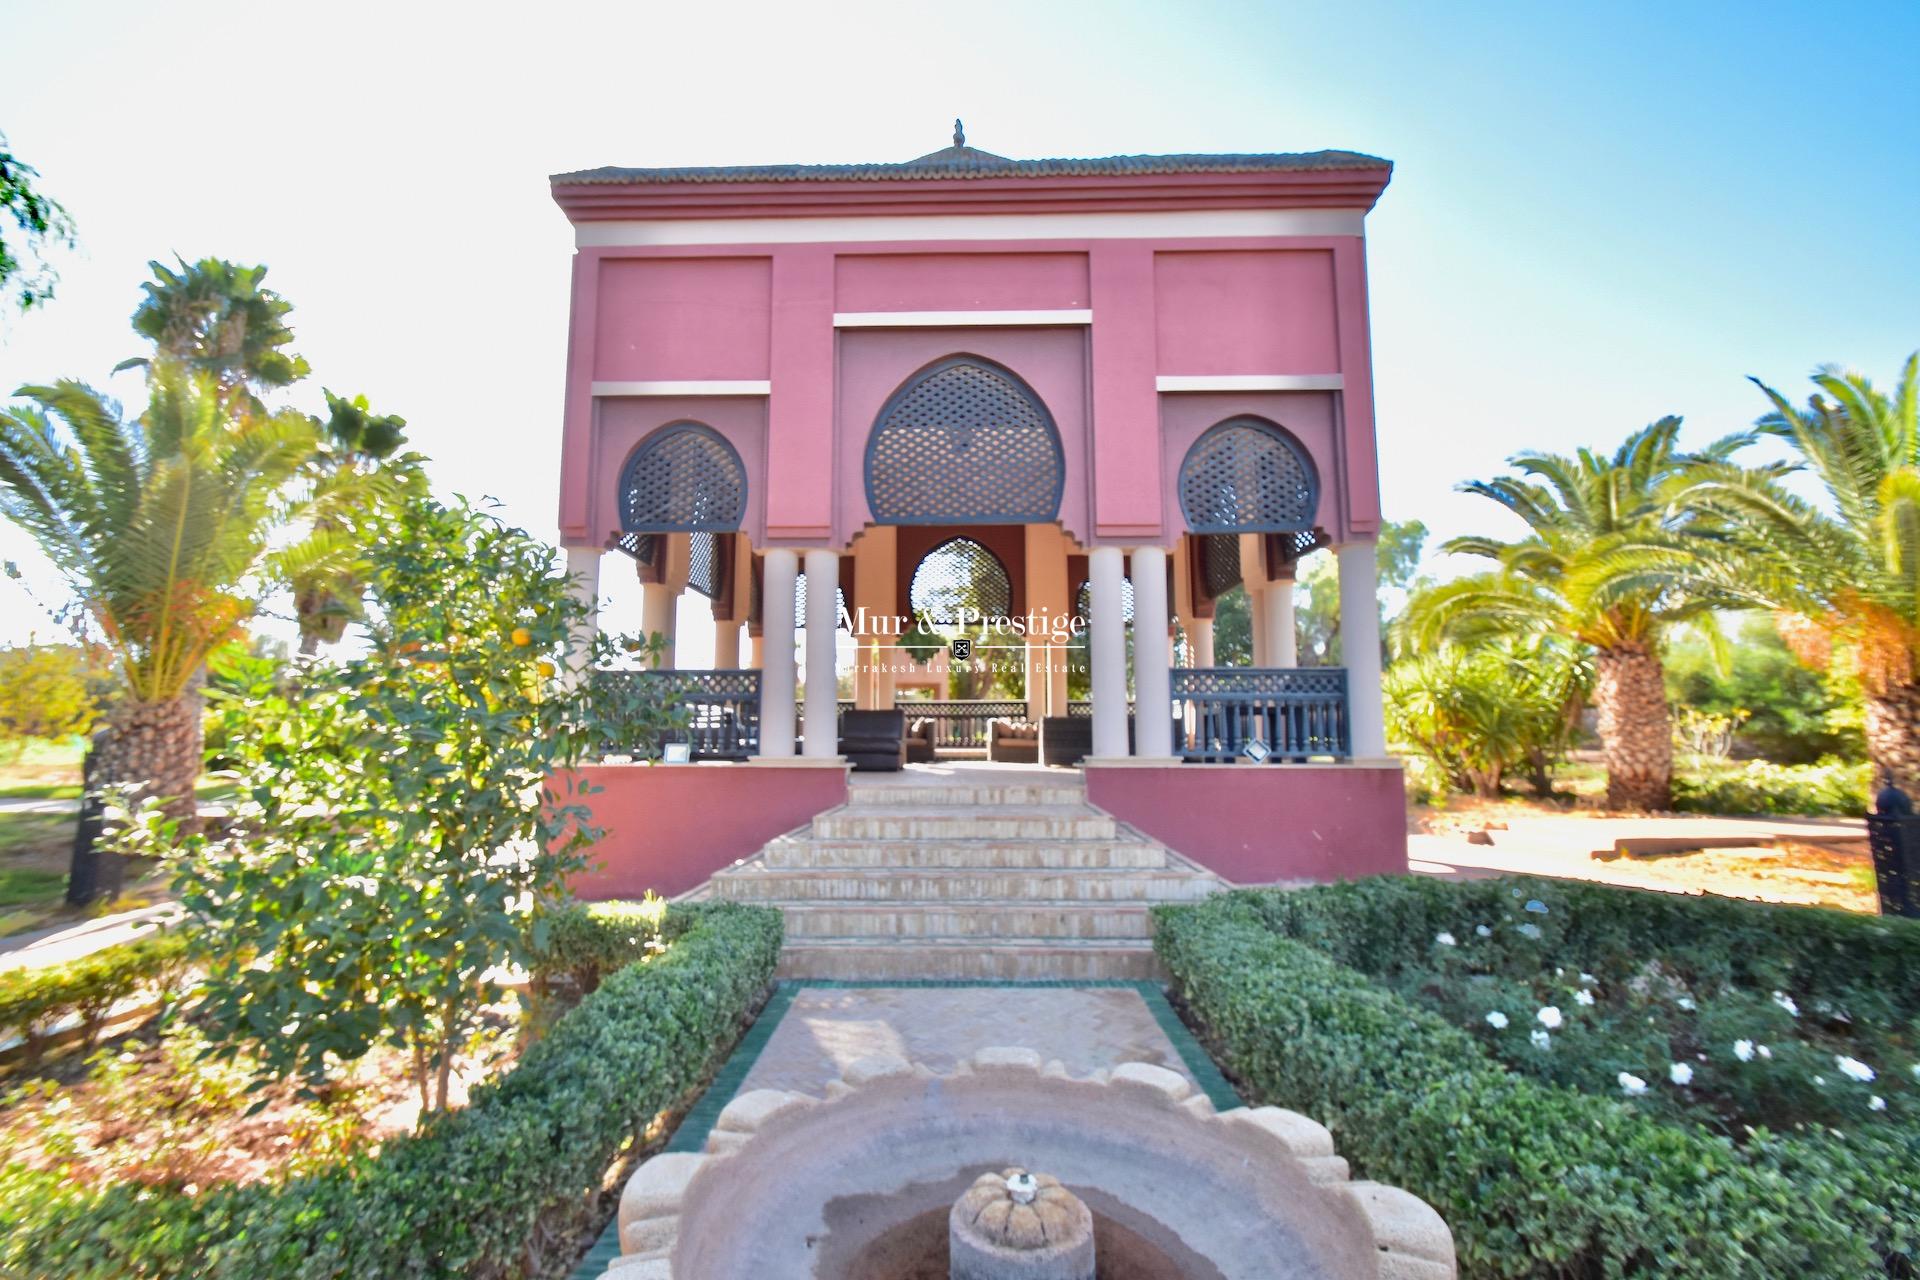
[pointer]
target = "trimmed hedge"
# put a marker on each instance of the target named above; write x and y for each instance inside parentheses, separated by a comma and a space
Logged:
(34, 1001)
(467, 1196)
(1536, 1180)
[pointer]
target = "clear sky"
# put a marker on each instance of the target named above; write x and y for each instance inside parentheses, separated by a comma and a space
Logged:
(1599, 214)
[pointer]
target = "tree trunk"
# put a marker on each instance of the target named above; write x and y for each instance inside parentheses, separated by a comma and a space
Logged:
(156, 748)
(1636, 729)
(1893, 738)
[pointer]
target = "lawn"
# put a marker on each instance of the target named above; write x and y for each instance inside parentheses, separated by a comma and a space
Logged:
(1585, 1080)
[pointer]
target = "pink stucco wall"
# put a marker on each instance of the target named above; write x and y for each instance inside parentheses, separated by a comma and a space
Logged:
(1246, 311)
(683, 318)
(1288, 305)
(670, 827)
(1261, 824)
(982, 281)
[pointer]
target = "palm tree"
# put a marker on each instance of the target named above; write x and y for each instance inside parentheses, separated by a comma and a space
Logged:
(1843, 580)
(161, 525)
(1606, 564)
(357, 475)
(218, 318)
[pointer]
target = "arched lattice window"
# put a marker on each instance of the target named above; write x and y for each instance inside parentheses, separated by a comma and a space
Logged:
(964, 441)
(1246, 475)
(684, 478)
(958, 578)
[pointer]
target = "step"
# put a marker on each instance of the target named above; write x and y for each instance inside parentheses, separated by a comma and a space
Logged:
(808, 852)
(995, 795)
(954, 959)
(1049, 822)
(963, 919)
(755, 882)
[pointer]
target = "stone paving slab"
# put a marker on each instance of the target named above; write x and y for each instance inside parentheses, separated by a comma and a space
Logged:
(1089, 1028)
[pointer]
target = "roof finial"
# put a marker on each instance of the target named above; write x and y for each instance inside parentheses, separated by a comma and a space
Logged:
(959, 133)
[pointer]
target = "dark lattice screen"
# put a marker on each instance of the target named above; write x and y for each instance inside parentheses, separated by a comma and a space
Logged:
(684, 478)
(644, 547)
(706, 570)
(800, 602)
(1084, 605)
(964, 442)
(956, 576)
(1247, 476)
(1219, 563)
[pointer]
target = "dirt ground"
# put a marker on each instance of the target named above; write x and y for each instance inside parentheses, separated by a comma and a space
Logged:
(146, 1112)
(1805, 861)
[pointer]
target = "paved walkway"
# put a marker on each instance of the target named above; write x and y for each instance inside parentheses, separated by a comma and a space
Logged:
(829, 1027)
(67, 942)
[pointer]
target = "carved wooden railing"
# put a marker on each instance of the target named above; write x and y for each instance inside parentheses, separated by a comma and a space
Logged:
(1291, 713)
(719, 711)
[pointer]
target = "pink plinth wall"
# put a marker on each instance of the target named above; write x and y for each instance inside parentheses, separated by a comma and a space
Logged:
(669, 827)
(1258, 824)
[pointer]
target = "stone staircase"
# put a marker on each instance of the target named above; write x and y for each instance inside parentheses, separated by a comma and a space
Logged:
(997, 877)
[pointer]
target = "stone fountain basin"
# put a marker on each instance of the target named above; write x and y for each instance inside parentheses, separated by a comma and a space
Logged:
(799, 1187)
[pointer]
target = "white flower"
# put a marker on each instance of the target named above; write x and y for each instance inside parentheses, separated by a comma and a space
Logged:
(1680, 1073)
(1583, 997)
(1631, 1085)
(1916, 1071)
(1853, 1068)
(1785, 1001)
(1876, 1103)
(1445, 939)
(1530, 931)
(1588, 979)
(1743, 1050)
(1483, 931)
(1686, 1002)
(1549, 1018)
(1541, 1040)
(1766, 1053)
(1497, 1020)
(1821, 1081)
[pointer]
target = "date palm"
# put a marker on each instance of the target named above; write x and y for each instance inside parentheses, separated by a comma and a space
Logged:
(357, 475)
(1843, 577)
(218, 318)
(1607, 564)
(161, 526)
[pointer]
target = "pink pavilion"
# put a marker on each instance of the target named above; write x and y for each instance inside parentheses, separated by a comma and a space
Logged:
(1082, 398)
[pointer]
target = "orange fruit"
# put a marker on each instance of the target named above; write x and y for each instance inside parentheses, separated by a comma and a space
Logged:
(522, 637)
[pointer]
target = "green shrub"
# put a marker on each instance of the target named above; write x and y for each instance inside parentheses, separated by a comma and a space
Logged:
(33, 1002)
(1538, 1179)
(475, 1191)
(1830, 787)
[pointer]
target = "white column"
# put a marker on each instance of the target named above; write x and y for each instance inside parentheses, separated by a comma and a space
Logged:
(777, 574)
(657, 604)
(1261, 654)
(1152, 675)
(726, 646)
(1200, 632)
(583, 570)
(1360, 646)
(756, 657)
(1283, 642)
(1106, 572)
(821, 736)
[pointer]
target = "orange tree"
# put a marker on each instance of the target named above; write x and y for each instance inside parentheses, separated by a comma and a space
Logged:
(396, 825)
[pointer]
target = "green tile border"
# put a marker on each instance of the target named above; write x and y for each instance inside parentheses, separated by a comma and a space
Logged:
(698, 1123)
